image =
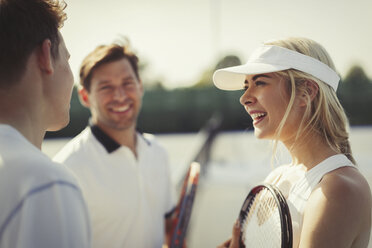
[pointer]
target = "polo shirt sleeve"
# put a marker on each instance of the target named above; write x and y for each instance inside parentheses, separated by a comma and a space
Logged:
(171, 193)
(50, 215)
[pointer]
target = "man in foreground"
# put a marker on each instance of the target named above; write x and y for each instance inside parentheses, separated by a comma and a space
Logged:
(41, 204)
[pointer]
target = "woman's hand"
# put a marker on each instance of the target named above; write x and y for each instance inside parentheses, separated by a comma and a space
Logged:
(234, 241)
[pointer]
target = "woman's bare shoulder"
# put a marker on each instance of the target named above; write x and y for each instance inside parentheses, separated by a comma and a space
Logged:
(339, 209)
(346, 183)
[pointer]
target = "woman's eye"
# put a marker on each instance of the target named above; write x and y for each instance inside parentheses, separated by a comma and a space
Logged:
(260, 83)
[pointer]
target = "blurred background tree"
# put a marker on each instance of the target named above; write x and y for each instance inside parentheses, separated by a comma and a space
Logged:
(355, 93)
(183, 110)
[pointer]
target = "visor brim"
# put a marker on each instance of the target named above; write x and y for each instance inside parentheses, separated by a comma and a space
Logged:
(232, 78)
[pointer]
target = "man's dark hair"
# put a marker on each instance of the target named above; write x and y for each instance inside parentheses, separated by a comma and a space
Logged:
(102, 55)
(24, 25)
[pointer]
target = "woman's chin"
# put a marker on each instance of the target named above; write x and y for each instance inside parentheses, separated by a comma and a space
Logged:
(259, 134)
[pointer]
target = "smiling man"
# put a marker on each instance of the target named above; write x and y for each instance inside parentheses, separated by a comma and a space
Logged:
(123, 174)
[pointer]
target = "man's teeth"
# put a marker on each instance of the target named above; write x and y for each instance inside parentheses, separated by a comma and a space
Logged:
(121, 109)
(257, 115)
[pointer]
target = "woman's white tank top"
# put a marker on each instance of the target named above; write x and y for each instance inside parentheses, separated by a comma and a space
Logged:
(296, 184)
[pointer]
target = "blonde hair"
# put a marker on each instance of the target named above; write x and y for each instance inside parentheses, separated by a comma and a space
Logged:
(324, 114)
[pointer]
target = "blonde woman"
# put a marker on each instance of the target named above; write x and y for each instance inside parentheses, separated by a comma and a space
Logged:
(290, 93)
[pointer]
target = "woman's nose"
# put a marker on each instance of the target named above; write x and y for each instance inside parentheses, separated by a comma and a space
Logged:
(247, 98)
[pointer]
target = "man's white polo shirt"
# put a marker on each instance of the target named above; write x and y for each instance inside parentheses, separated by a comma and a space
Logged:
(127, 198)
(40, 202)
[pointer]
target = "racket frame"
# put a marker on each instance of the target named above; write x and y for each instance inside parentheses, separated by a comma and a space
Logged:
(184, 208)
(285, 216)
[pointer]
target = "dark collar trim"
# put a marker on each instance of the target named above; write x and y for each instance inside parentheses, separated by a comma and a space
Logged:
(108, 143)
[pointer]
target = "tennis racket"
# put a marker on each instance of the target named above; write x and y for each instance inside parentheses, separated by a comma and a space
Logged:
(184, 208)
(265, 221)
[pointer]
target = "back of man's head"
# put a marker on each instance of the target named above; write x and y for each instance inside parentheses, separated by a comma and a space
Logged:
(24, 25)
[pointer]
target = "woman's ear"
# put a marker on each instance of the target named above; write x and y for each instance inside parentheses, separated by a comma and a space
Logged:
(312, 89)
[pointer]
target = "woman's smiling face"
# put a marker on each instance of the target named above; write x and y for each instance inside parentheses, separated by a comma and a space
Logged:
(265, 99)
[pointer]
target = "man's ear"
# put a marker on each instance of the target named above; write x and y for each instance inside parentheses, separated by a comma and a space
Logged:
(312, 90)
(45, 57)
(84, 97)
(141, 87)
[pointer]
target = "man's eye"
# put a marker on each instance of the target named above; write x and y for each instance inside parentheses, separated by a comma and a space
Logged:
(129, 84)
(105, 87)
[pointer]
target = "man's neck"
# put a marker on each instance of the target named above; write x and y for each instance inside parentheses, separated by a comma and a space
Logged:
(23, 123)
(21, 108)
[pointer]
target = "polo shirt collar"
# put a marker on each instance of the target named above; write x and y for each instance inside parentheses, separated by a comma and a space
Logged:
(111, 145)
(108, 143)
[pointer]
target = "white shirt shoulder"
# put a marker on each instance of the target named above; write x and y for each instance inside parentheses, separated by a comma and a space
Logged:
(77, 148)
(42, 205)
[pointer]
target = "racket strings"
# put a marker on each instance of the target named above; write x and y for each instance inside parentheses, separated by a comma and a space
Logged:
(262, 225)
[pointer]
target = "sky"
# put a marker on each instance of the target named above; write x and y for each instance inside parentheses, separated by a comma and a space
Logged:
(180, 39)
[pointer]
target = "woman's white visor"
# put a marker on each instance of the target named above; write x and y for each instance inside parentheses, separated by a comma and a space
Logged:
(268, 58)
